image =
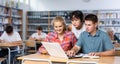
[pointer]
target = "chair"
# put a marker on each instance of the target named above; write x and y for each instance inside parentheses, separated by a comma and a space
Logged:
(29, 46)
(35, 61)
(80, 62)
(20, 53)
(2, 59)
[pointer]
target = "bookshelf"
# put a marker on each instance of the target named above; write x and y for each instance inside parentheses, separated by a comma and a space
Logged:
(10, 15)
(109, 19)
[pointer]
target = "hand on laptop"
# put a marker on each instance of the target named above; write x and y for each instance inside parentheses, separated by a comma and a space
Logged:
(44, 51)
(71, 53)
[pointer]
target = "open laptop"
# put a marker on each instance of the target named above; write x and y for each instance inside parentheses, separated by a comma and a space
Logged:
(54, 49)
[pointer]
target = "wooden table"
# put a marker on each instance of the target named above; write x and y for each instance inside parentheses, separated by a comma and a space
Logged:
(8, 46)
(101, 60)
(117, 49)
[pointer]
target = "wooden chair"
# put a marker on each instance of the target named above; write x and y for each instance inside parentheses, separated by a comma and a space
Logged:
(80, 62)
(20, 53)
(35, 61)
(30, 46)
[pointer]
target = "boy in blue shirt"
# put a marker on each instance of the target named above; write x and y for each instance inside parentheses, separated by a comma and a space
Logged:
(93, 41)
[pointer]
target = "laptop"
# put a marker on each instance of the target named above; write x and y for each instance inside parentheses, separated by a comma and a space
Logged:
(54, 49)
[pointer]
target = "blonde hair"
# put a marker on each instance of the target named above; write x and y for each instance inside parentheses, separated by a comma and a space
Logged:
(59, 19)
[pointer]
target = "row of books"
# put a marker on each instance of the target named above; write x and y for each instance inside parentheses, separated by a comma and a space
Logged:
(16, 28)
(6, 12)
(10, 3)
(6, 21)
(110, 22)
(109, 15)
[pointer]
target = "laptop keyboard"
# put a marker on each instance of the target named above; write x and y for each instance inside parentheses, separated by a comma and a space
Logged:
(76, 56)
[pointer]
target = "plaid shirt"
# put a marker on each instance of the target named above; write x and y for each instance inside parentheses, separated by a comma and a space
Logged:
(69, 40)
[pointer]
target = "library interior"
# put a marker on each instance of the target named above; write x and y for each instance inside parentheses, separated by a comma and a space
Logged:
(59, 32)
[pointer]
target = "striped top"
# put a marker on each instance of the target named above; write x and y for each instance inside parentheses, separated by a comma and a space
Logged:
(69, 40)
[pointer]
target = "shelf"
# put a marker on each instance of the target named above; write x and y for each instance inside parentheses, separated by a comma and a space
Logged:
(38, 24)
(35, 30)
(109, 18)
(32, 30)
(4, 15)
(109, 25)
(13, 16)
(68, 23)
(47, 30)
(16, 9)
(32, 17)
(17, 30)
(4, 6)
(10, 7)
(117, 33)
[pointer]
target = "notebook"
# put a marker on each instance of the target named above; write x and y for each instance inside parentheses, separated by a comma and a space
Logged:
(54, 49)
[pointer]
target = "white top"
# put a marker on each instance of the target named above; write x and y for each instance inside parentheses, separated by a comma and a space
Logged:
(10, 38)
(36, 36)
(78, 32)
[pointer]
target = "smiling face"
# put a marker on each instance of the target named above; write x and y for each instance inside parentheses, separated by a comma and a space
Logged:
(58, 27)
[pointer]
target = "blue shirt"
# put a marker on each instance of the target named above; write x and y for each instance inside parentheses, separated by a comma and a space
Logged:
(98, 43)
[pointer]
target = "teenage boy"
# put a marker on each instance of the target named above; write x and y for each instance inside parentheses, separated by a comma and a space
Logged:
(93, 41)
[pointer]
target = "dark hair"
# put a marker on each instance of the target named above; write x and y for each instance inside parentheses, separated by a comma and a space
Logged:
(9, 29)
(39, 28)
(76, 14)
(92, 17)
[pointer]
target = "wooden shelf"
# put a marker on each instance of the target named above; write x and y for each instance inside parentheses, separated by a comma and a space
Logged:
(11, 16)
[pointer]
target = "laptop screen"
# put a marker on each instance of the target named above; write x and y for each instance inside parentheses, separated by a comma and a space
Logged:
(54, 49)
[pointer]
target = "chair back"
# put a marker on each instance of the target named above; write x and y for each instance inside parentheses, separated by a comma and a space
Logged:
(30, 43)
(80, 62)
(29, 46)
(36, 61)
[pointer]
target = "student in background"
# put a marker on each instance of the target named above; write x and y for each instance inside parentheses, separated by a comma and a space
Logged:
(93, 41)
(112, 36)
(77, 25)
(38, 36)
(10, 36)
(66, 39)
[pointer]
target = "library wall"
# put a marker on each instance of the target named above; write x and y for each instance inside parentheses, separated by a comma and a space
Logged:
(52, 5)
